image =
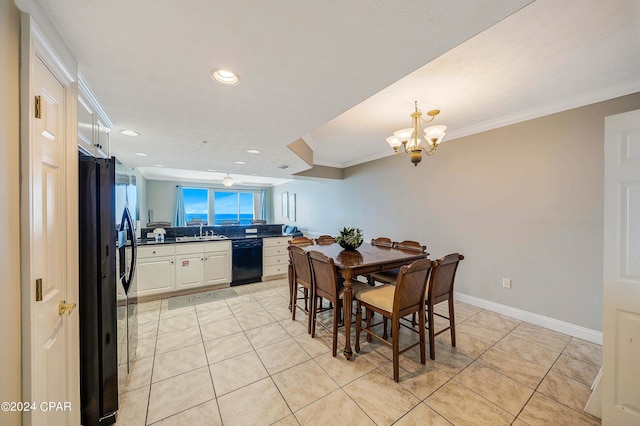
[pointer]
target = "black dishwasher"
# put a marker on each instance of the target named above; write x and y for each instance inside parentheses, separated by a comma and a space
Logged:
(246, 261)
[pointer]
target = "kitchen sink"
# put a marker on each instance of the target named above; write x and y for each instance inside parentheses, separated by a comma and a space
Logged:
(202, 238)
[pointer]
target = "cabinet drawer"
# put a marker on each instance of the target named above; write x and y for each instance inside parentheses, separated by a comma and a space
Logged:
(276, 242)
(189, 248)
(275, 270)
(276, 260)
(217, 246)
(156, 251)
(276, 251)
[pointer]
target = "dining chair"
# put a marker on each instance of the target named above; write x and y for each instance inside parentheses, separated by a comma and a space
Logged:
(382, 242)
(301, 278)
(394, 302)
(410, 245)
(299, 242)
(258, 222)
(197, 223)
(325, 239)
(384, 277)
(230, 222)
(390, 276)
(158, 224)
(440, 289)
(327, 285)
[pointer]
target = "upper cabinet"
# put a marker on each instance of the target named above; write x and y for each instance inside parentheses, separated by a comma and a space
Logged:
(93, 123)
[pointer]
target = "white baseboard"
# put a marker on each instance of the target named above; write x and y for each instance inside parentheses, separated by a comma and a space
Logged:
(546, 322)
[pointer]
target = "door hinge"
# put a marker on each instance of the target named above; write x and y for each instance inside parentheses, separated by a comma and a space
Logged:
(39, 290)
(38, 107)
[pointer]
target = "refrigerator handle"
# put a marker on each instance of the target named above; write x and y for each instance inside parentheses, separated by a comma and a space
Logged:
(127, 224)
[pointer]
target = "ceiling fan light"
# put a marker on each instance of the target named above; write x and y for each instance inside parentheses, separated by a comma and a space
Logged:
(227, 181)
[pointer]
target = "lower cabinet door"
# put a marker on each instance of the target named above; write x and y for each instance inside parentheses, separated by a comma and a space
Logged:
(189, 271)
(155, 275)
(217, 268)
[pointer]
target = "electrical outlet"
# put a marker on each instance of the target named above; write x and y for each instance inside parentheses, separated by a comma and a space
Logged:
(506, 282)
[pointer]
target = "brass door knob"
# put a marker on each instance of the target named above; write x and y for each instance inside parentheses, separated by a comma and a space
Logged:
(65, 308)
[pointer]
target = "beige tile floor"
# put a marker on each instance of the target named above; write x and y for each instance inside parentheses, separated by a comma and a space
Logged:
(243, 361)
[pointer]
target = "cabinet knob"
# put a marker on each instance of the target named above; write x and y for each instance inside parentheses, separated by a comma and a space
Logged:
(154, 252)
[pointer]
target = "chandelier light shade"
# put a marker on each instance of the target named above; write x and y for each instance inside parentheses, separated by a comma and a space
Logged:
(227, 181)
(407, 141)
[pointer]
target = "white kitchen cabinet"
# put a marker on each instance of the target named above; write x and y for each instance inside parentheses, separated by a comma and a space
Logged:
(102, 144)
(166, 268)
(93, 124)
(203, 264)
(217, 263)
(85, 127)
(155, 270)
(275, 257)
(189, 266)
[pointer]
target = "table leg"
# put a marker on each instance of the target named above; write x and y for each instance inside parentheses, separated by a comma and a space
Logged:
(290, 276)
(347, 304)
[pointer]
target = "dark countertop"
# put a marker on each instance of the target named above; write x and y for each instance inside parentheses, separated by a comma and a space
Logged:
(145, 242)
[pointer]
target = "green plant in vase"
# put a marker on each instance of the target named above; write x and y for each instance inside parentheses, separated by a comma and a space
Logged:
(349, 238)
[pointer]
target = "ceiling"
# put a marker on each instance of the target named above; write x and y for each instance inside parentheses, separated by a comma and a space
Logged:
(341, 75)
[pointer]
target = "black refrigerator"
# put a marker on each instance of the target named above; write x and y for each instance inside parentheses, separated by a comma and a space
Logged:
(97, 292)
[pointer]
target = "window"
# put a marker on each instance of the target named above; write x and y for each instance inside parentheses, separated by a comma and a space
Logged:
(233, 206)
(240, 206)
(196, 203)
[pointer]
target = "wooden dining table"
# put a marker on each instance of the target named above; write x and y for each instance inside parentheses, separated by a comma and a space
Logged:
(365, 260)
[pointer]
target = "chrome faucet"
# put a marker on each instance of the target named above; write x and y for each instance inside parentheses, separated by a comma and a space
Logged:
(200, 229)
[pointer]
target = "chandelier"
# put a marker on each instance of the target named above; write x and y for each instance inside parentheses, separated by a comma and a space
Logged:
(407, 141)
(227, 181)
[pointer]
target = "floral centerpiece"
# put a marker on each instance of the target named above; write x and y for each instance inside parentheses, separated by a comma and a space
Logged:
(349, 238)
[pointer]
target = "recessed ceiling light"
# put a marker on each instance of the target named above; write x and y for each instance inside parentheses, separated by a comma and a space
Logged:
(141, 154)
(226, 77)
(129, 133)
(211, 170)
(159, 165)
(253, 151)
(240, 162)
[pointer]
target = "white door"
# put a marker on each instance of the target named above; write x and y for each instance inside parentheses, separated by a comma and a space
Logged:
(48, 248)
(621, 325)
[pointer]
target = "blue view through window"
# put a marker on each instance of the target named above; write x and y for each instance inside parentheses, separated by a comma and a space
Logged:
(233, 206)
(196, 203)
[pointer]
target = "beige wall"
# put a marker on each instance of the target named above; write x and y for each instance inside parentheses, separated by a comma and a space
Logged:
(10, 388)
(523, 202)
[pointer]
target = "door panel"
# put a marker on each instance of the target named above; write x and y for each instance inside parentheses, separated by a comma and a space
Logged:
(155, 275)
(217, 268)
(621, 325)
(189, 271)
(49, 244)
